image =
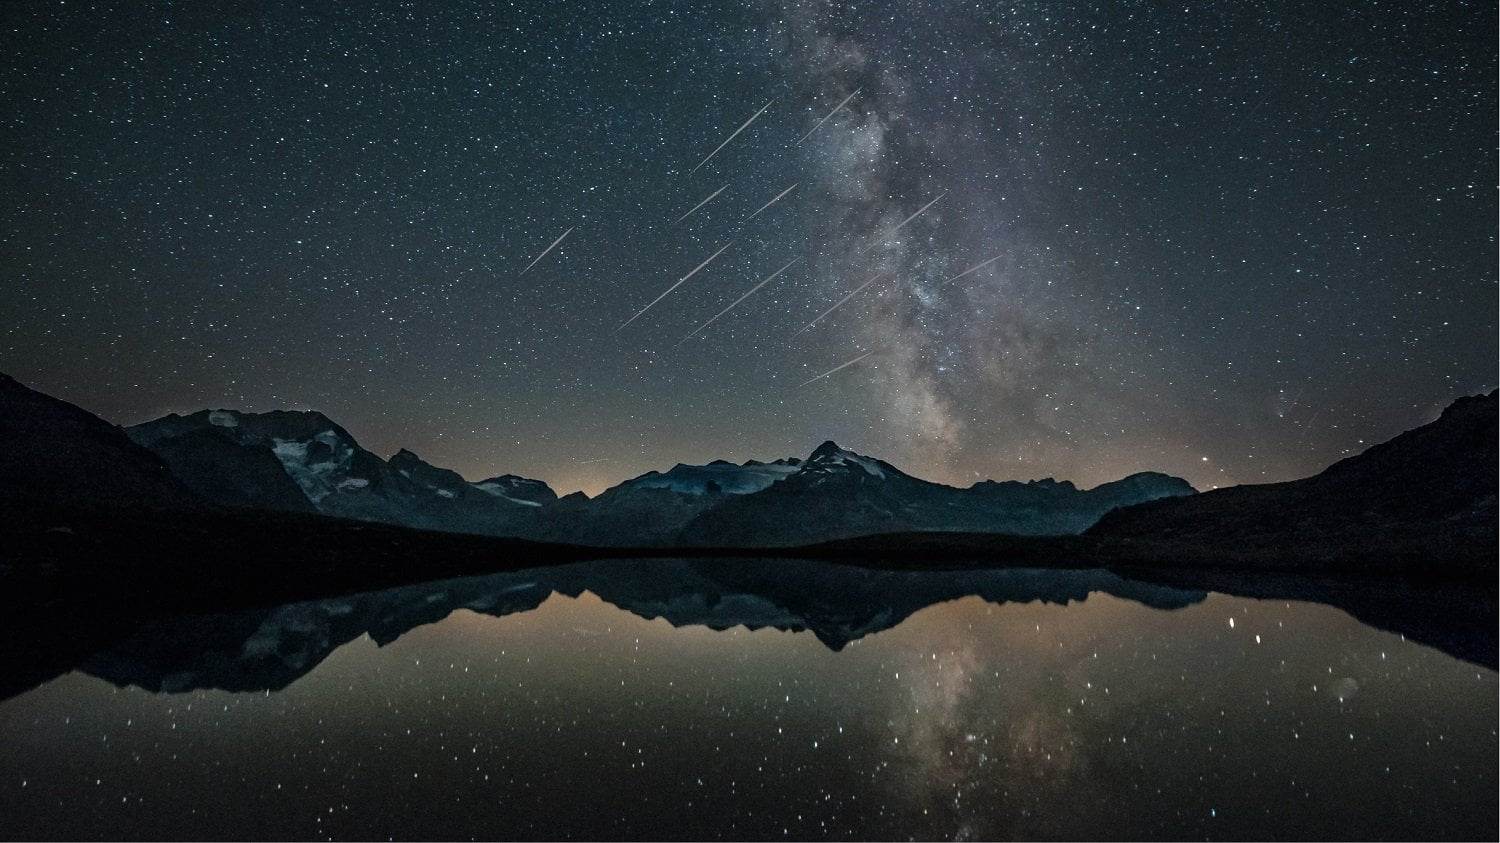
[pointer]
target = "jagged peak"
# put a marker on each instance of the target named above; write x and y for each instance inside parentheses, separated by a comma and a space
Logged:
(829, 459)
(829, 448)
(1468, 403)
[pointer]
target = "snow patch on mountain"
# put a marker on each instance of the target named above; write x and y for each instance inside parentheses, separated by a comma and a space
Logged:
(498, 490)
(316, 479)
(850, 458)
(223, 418)
(830, 459)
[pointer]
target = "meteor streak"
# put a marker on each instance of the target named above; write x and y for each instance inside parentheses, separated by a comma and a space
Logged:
(763, 283)
(826, 116)
(675, 286)
(975, 268)
(546, 250)
(736, 133)
(840, 302)
(772, 202)
(699, 205)
(835, 369)
(887, 235)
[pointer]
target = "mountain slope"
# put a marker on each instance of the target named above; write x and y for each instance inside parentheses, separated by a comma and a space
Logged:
(53, 453)
(303, 461)
(1431, 490)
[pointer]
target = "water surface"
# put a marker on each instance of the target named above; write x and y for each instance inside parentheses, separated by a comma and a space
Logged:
(677, 699)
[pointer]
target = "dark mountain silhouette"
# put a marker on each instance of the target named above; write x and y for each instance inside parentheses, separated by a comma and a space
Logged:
(1426, 496)
(55, 454)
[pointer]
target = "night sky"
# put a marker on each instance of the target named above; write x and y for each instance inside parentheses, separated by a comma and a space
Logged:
(1231, 241)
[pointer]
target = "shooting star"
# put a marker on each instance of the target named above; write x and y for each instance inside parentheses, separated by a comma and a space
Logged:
(840, 302)
(835, 369)
(675, 286)
(763, 283)
(699, 205)
(826, 116)
(546, 250)
(736, 133)
(887, 235)
(773, 201)
(975, 268)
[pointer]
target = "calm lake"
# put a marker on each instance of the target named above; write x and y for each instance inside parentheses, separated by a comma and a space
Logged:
(749, 699)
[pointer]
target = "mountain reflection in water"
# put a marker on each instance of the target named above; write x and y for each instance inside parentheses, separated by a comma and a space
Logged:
(259, 650)
(783, 698)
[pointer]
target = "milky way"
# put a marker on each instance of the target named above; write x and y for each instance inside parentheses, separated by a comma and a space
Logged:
(1230, 241)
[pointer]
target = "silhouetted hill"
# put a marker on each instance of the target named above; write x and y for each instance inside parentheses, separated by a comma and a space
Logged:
(53, 453)
(1429, 492)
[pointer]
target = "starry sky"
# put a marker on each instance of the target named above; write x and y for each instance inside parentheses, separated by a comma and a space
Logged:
(1231, 241)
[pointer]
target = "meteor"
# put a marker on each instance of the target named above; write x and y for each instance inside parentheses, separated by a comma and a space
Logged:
(699, 205)
(835, 369)
(763, 283)
(887, 235)
(546, 250)
(736, 133)
(826, 116)
(975, 268)
(675, 286)
(772, 202)
(840, 303)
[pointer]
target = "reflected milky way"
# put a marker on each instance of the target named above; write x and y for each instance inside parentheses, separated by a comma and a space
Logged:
(1063, 704)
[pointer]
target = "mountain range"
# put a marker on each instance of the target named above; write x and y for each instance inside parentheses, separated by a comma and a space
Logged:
(305, 462)
(252, 484)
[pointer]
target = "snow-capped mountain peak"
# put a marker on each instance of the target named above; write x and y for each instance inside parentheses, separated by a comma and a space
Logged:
(522, 490)
(829, 459)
